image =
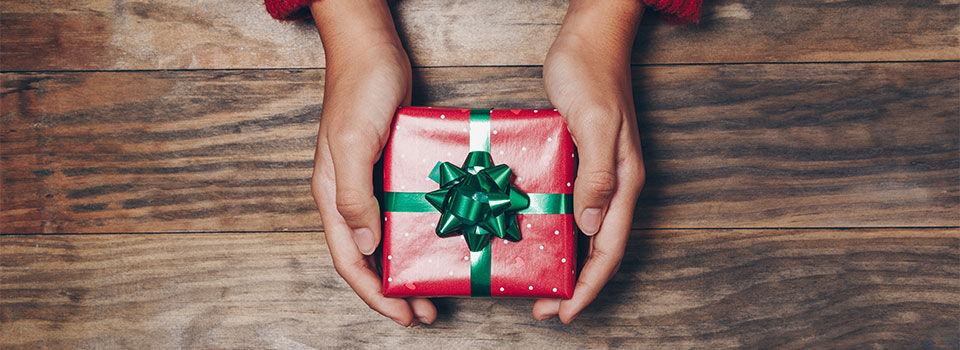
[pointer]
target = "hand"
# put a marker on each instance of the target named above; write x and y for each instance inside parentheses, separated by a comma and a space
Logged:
(587, 78)
(367, 77)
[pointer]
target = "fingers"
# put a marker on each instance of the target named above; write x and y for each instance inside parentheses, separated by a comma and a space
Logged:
(423, 309)
(607, 247)
(353, 152)
(596, 137)
(545, 308)
(356, 122)
(350, 264)
(347, 259)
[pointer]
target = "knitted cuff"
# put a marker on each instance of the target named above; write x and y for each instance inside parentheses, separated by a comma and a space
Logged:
(677, 11)
(288, 10)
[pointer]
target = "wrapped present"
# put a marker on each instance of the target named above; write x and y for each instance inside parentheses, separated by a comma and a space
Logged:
(478, 202)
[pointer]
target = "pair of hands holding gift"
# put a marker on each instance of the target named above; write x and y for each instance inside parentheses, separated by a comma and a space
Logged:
(587, 78)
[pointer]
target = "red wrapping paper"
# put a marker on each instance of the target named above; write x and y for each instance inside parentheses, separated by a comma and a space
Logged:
(536, 145)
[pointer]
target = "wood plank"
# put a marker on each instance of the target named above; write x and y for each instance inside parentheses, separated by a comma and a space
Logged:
(154, 34)
(725, 146)
(889, 288)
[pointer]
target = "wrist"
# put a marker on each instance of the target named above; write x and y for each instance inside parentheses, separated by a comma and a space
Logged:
(349, 28)
(608, 26)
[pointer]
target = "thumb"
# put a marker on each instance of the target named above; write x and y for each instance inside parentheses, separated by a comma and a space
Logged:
(596, 180)
(353, 154)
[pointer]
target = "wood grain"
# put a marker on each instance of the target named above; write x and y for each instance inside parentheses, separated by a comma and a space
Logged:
(153, 34)
(809, 205)
(725, 146)
(897, 288)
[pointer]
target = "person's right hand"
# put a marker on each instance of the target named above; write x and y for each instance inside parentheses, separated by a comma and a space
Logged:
(368, 76)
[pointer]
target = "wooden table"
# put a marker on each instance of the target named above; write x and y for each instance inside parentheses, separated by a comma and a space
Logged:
(803, 187)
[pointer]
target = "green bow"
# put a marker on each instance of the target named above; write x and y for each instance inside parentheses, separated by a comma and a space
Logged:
(476, 199)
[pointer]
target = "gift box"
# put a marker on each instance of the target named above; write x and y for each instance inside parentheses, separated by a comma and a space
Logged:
(478, 202)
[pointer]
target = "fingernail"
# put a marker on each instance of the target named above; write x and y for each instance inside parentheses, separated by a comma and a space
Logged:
(423, 319)
(590, 221)
(364, 239)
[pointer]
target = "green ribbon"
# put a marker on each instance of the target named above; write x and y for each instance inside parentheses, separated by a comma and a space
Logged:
(416, 202)
(476, 200)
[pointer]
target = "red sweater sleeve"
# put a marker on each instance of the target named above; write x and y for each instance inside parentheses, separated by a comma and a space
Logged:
(288, 10)
(678, 11)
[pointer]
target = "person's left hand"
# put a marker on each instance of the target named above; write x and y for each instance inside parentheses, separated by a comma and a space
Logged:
(587, 78)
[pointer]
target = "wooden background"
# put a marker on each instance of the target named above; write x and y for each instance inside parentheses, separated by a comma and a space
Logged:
(803, 187)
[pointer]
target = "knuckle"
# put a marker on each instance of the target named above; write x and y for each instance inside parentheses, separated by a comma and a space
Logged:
(348, 268)
(596, 132)
(316, 185)
(371, 306)
(636, 172)
(583, 284)
(316, 193)
(355, 144)
(607, 258)
(596, 112)
(341, 270)
(584, 116)
(352, 204)
(641, 178)
(600, 183)
(351, 137)
(601, 118)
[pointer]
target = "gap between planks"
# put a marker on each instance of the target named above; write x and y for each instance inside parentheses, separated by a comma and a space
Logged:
(794, 289)
(676, 64)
